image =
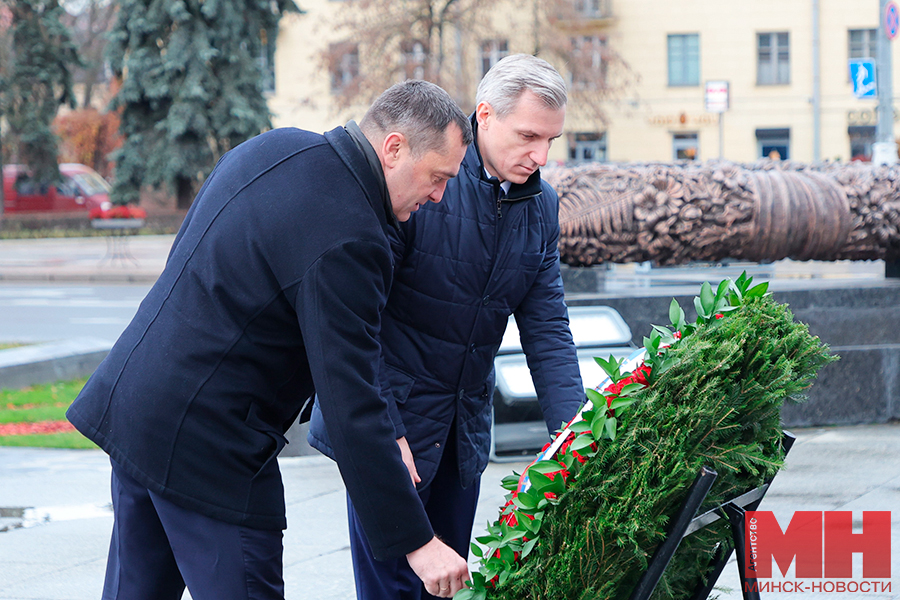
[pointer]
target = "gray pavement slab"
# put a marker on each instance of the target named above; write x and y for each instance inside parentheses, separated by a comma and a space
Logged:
(62, 555)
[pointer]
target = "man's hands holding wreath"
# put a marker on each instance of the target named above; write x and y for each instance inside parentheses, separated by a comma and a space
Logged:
(440, 568)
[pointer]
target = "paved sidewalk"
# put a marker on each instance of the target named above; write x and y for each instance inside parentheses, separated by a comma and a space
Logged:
(125, 259)
(60, 554)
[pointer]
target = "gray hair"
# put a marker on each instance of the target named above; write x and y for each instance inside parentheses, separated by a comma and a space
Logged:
(419, 110)
(515, 74)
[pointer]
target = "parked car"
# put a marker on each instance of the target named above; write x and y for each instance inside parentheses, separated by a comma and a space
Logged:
(81, 189)
(519, 429)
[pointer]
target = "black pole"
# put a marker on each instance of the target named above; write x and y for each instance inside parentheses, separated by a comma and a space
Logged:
(664, 553)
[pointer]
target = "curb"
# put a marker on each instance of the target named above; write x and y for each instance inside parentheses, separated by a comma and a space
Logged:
(50, 362)
(98, 277)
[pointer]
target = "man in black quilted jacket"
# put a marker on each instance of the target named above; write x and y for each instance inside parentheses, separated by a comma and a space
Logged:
(487, 251)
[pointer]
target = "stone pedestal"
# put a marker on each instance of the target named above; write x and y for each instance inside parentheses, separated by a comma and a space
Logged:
(858, 323)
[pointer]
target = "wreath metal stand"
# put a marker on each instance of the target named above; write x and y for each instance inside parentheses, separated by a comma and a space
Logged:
(685, 523)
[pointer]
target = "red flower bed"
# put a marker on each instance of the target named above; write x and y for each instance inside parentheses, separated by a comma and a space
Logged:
(118, 212)
(40, 428)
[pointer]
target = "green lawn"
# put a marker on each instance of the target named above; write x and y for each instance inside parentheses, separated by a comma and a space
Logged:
(72, 440)
(8, 345)
(38, 403)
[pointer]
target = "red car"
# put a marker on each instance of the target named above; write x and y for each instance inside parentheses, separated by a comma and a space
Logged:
(81, 189)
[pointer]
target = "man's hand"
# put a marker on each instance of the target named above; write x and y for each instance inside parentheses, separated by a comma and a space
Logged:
(406, 453)
(440, 568)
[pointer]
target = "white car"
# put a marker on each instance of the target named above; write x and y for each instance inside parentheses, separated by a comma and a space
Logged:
(518, 428)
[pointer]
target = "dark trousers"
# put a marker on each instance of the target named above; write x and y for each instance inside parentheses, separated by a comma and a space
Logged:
(157, 547)
(451, 510)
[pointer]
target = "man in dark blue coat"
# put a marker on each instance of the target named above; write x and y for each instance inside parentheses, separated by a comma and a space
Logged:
(462, 267)
(273, 289)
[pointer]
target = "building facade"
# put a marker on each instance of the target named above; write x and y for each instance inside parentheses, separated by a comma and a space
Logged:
(646, 64)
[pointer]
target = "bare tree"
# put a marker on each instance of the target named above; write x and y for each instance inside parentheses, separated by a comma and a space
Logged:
(578, 36)
(90, 21)
(393, 40)
(453, 42)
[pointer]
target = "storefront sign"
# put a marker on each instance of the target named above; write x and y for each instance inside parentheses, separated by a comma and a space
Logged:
(867, 116)
(683, 119)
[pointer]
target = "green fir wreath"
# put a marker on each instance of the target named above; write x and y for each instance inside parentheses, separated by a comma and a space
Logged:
(708, 393)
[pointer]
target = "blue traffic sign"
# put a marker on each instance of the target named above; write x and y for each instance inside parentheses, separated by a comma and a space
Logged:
(862, 74)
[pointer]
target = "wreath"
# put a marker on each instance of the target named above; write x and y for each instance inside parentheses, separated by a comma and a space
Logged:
(584, 518)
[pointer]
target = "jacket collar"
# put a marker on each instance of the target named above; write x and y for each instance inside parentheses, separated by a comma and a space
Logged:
(368, 151)
(361, 159)
(517, 191)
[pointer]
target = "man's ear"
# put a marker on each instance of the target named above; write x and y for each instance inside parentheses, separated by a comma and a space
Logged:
(392, 148)
(483, 113)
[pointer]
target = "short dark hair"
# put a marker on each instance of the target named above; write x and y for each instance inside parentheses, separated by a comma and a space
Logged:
(419, 110)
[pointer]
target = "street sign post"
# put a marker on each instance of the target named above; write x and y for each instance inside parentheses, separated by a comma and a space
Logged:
(884, 150)
(718, 101)
(716, 96)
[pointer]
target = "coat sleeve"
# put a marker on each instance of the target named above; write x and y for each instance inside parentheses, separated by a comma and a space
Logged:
(543, 322)
(339, 303)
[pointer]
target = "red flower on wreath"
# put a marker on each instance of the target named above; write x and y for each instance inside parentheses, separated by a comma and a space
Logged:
(639, 375)
(565, 449)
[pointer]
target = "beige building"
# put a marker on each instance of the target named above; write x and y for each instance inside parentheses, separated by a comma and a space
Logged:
(657, 57)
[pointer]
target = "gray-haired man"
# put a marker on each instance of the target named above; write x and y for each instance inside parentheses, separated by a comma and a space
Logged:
(462, 267)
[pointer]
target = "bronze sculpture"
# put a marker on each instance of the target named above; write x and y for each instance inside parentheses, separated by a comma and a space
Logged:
(678, 213)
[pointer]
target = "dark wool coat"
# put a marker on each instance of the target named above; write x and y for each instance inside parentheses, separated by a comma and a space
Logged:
(273, 289)
(462, 267)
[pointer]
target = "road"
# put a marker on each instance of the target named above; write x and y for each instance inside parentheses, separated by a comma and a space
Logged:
(48, 312)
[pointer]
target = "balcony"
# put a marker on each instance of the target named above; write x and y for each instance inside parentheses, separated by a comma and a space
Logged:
(584, 14)
(593, 9)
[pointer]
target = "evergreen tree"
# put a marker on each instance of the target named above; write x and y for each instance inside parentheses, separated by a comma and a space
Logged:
(192, 87)
(36, 81)
(5, 54)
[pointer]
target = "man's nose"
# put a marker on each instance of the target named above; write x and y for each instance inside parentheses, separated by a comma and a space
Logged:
(540, 153)
(438, 193)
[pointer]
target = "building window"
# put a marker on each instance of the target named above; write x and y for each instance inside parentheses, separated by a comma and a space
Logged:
(588, 69)
(861, 139)
(490, 53)
(413, 52)
(773, 143)
(773, 58)
(684, 59)
(266, 63)
(862, 43)
(587, 147)
(685, 146)
(592, 8)
(344, 66)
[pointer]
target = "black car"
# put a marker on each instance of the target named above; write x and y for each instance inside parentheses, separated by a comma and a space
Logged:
(519, 428)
